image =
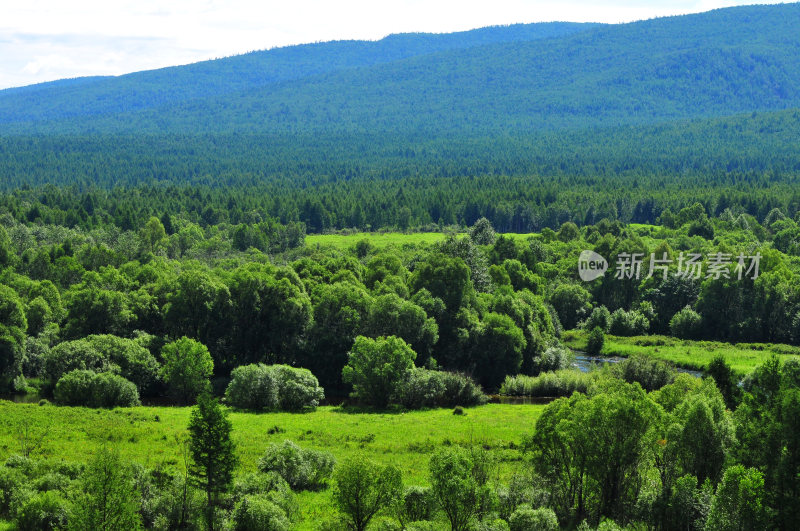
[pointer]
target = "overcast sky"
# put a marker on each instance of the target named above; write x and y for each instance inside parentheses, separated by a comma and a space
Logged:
(43, 40)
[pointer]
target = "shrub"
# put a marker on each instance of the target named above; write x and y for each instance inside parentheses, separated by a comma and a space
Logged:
(429, 388)
(686, 324)
(257, 512)
(601, 317)
(460, 390)
(10, 481)
(549, 384)
(596, 340)
(553, 359)
(253, 387)
(297, 388)
(270, 486)
(422, 388)
(134, 361)
(264, 387)
(651, 373)
(71, 355)
(527, 519)
(46, 511)
(302, 469)
(632, 323)
(87, 388)
(417, 504)
(102, 353)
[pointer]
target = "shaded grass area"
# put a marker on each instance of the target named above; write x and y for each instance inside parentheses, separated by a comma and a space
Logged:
(148, 435)
(743, 357)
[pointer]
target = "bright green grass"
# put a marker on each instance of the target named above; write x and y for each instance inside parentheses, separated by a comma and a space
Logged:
(147, 435)
(380, 240)
(742, 357)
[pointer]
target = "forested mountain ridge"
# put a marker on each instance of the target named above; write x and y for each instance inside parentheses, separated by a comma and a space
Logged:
(527, 125)
(255, 71)
(712, 64)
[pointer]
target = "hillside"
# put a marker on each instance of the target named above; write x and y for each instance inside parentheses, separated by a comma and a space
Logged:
(93, 97)
(486, 82)
(573, 121)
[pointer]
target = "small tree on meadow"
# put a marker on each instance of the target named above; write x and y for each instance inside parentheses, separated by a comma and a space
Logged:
(454, 486)
(187, 368)
(109, 500)
(364, 488)
(212, 451)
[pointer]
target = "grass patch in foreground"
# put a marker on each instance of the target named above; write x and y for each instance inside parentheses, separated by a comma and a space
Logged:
(743, 357)
(147, 435)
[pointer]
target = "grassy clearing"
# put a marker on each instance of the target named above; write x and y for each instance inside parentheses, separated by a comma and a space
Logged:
(380, 240)
(148, 435)
(743, 357)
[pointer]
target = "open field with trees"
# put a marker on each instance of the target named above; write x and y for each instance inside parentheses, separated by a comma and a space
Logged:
(151, 436)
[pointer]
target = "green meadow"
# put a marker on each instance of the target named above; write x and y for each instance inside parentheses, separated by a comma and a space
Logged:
(383, 239)
(742, 357)
(149, 435)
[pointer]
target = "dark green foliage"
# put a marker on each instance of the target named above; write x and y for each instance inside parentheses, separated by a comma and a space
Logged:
(686, 324)
(572, 302)
(628, 323)
(12, 330)
(417, 504)
(187, 368)
(600, 317)
(428, 388)
(595, 340)
(302, 469)
(726, 380)
(103, 353)
(90, 389)
(363, 489)
(650, 373)
(377, 368)
(298, 389)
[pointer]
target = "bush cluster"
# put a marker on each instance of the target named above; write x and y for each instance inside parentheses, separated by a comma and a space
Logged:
(91, 389)
(301, 468)
(269, 387)
(429, 388)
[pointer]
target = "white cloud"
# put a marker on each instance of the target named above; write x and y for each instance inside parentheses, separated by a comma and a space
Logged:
(43, 40)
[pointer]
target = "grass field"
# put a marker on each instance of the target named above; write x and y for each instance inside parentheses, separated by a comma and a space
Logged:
(380, 240)
(148, 436)
(685, 353)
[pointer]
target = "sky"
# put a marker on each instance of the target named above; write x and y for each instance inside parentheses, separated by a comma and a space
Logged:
(44, 40)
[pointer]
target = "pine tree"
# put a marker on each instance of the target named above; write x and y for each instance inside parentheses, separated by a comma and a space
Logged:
(213, 459)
